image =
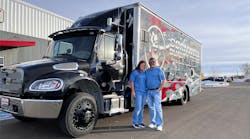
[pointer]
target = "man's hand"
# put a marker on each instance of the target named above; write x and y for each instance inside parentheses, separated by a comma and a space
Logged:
(162, 84)
(159, 89)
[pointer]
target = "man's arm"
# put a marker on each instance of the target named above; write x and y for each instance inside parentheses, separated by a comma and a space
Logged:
(163, 82)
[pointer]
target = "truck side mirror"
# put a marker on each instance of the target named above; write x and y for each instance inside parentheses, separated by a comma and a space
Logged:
(49, 50)
(118, 56)
(118, 49)
(109, 24)
(109, 21)
(119, 39)
(118, 46)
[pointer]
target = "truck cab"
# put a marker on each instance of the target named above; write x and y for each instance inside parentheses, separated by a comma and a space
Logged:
(83, 78)
(101, 50)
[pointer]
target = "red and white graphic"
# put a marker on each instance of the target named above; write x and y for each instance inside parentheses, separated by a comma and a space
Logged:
(156, 46)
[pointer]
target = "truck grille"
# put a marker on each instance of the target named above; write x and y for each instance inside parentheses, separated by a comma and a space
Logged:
(1, 61)
(11, 80)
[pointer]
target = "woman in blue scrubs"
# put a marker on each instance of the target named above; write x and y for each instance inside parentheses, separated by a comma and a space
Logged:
(138, 90)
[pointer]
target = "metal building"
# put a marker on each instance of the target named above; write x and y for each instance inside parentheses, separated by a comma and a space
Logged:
(24, 30)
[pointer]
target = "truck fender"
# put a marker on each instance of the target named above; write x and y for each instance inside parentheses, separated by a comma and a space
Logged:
(90, 86)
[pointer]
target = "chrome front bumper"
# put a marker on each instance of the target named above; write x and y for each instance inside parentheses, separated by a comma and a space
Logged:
(33, 108)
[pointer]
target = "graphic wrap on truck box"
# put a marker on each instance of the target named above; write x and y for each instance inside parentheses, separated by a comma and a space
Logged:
(177, 54)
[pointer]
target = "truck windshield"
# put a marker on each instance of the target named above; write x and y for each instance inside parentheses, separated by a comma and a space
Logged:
(75, 45)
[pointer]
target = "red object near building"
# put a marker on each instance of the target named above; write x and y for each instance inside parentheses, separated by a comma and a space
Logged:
(16, 43)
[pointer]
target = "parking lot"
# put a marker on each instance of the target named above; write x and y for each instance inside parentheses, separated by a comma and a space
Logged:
(215, 113)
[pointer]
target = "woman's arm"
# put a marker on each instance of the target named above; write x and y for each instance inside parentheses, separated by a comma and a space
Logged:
(132, 88)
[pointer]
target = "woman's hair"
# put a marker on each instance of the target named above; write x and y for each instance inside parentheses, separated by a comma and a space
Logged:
(139, 64)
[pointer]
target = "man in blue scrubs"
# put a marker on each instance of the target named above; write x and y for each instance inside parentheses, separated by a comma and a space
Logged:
(155, 80)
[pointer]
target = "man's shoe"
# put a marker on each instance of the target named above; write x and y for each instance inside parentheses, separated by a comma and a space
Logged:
(142, 125)
(136, 126)
(159, 128)
(152, 125)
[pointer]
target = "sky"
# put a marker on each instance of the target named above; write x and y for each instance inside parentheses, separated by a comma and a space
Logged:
(222, 26)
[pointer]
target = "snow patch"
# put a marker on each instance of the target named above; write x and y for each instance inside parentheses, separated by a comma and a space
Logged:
(5, 116)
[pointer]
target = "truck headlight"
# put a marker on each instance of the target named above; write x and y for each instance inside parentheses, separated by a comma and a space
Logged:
(52, 84)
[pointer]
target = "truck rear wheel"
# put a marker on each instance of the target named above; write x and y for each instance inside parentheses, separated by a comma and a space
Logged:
(79, 114)
(184, 99)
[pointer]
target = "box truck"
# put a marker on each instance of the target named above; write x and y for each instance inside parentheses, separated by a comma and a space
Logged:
(87, 73)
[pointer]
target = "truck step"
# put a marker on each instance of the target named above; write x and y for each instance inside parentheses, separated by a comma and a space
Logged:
(114, 104)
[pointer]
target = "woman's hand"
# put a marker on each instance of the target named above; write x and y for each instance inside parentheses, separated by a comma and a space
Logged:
(133, 93)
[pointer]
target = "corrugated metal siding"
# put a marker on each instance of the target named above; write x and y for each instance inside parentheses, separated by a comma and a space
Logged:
(23, 18)
(23, 54)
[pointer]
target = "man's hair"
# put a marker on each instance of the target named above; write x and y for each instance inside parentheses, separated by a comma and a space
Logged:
(152, 60)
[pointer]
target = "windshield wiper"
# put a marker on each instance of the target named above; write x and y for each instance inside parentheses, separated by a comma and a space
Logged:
(65, 55)
(69, 56)
(46, 57)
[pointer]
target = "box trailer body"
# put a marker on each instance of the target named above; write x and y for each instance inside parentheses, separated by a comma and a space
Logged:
(178, 54)
(87, 73)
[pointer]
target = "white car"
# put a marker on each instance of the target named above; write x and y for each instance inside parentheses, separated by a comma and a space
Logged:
(214, 84)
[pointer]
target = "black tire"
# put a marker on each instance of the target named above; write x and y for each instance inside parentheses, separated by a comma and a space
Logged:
(78, 115)
(23, 119)
(127, 97)
(184, 99)
(189, 99)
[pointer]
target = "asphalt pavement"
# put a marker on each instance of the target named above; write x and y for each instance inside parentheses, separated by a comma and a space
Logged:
(215, 113)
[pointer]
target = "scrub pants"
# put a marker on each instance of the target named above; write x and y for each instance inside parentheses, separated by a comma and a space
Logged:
(139, 102)
(155, 109)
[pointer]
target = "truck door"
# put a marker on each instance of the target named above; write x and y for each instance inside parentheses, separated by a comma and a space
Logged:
(111, 71)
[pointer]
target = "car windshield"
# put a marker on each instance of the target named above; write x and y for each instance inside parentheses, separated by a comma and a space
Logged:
(74, 45)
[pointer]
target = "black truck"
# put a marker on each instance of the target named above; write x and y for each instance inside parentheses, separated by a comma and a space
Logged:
(87, 73)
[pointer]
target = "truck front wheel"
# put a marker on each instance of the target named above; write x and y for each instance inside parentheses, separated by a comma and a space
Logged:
(79, 114)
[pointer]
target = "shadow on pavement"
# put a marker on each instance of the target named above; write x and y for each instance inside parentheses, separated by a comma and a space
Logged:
(38, 129)
(119, 129)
